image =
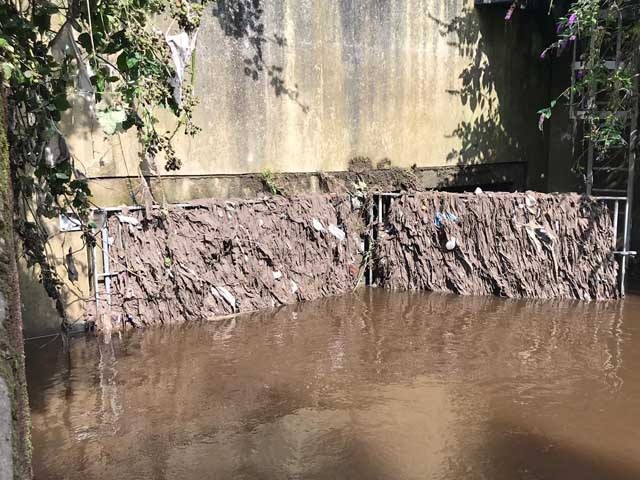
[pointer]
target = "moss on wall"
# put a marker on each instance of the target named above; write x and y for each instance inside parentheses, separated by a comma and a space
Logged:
(11, 340)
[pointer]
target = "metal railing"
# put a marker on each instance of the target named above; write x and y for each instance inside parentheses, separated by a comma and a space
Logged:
(621, 237)
(621, 230)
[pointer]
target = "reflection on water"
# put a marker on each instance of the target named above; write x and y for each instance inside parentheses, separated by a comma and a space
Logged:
(376, 385)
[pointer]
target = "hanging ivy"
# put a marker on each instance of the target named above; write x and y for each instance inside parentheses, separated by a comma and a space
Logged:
(605, 96)
(111, 53)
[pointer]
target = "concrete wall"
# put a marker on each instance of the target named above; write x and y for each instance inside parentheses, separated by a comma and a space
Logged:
(437, 84)
(15, 445)
(425, 82)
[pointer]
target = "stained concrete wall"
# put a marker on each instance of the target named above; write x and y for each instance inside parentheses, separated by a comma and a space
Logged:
(425, 82)
(437, 84)
(15, 445)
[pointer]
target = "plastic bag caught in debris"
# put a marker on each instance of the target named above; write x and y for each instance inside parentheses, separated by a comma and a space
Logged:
(512, 245)
(181, 46)
(257, 255)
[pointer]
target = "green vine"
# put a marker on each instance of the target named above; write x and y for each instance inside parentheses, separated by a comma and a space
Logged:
(605, 96)
(112, 53)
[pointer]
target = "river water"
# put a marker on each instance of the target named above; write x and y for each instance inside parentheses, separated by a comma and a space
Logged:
(374, 385)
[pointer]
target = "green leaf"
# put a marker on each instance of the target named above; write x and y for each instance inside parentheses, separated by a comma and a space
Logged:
(5, 45)
(84, 39)
(111, 120)
(42, 20)
(132, 62)
(7, 70)
(61, 102)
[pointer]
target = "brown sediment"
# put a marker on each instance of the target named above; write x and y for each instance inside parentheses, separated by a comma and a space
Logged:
(223, 257)
(513, 245)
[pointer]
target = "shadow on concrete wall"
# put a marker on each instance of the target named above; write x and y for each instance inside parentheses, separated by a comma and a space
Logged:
(503, 86)
(243, 19)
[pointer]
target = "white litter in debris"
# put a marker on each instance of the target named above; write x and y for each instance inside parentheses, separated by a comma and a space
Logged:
(181, 46)
(277, 275)
(337, 232)
(63, 46)
(294, 287)
(127, 219)
(317, 225)
(226, 295)
(451, 244)
(477, 191)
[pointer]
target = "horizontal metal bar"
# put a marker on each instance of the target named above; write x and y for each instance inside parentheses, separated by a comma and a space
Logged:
(389, 194)
(627, 253)
(611, 169)
(609, 64)
(602, 114)
(618, 199)
(615, 190)
(139, 207)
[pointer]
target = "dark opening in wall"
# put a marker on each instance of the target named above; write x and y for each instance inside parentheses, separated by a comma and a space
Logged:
(523, 4)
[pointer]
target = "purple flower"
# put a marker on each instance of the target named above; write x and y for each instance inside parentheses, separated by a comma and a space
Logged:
(572, 38)
(572, 19)
(541, 119)
(512, 9)
(559, 28)
(579, 74)
(543, 54)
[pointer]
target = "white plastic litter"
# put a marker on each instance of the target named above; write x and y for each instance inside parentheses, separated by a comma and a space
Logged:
(451, 243)
(337, 232)
(225, 294)
(317, 225)
(181, 46)
(127, 219)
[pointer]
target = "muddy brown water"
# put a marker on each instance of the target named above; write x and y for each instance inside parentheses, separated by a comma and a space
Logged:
(374, 385)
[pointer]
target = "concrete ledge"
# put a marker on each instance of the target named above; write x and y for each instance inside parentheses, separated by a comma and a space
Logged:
(112, 191)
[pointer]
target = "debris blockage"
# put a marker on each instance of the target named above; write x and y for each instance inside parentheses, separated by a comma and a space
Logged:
(522, 245)
(223, 257)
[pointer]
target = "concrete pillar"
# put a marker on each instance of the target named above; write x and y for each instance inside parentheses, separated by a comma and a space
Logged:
(15, 445)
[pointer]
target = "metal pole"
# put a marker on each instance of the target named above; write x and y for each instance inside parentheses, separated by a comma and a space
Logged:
(623, 268)
(370, 249)
(94, 271)
(633, 126)
(105, 262)
(616, 212)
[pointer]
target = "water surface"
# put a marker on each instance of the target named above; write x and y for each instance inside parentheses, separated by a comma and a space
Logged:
(374, 385)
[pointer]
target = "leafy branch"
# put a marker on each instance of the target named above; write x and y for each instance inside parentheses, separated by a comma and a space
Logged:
(112, 54)
(602, 93)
